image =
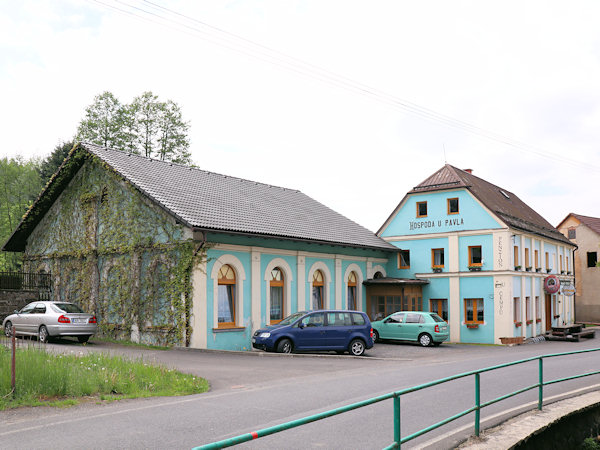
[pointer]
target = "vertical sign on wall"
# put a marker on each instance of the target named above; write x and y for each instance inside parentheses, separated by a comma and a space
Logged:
(499, 253)
(499, 296)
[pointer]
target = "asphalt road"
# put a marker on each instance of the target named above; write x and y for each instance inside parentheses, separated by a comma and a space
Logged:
(253, 391)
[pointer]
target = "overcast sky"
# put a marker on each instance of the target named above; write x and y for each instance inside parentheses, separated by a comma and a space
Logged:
(353, 103)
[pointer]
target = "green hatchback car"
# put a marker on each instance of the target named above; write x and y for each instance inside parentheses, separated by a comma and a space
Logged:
(426, 328)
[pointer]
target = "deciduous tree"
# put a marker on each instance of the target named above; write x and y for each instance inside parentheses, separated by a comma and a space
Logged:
(20, 184)
(147, 126)
(103, 122)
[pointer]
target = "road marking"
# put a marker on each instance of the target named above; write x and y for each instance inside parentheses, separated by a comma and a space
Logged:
(124, 411)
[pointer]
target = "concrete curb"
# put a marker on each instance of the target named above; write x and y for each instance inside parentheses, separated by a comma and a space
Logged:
(262, 354)
(517, 429)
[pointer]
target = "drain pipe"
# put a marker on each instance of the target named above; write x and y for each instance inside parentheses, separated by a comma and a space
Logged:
(202, 242)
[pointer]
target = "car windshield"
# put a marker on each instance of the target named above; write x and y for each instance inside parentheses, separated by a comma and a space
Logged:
(68, 307)
(437, 318)
(291, 319)
(27, 309)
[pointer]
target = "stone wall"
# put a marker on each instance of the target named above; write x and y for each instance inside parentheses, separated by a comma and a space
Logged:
(569, 432)
(11, 300)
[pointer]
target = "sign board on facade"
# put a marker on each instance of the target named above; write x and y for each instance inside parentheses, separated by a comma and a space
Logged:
(551, 284)
(568, 289)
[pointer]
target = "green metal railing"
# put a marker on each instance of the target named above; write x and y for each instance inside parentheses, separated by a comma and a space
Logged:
(398, 440)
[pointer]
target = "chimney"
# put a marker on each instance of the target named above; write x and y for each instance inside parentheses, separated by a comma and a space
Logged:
(469, 170)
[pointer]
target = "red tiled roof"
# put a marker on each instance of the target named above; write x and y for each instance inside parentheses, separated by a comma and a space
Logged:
(591, 222)
(507, 206)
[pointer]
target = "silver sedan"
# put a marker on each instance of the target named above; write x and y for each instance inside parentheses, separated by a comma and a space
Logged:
(49, 319)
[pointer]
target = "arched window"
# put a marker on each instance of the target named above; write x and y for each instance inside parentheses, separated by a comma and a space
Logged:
(352, 291)
(226, 309)
(378, 275)
(277, 301)
(317, 290)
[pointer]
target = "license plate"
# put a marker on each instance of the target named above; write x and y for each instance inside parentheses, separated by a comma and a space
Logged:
(444, 328)
(79, 320)
(253, 340)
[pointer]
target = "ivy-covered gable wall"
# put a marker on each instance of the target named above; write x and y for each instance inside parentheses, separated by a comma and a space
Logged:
(114, 252)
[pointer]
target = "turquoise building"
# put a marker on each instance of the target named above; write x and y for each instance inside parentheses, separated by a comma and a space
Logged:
(484, 257)
(169, 254)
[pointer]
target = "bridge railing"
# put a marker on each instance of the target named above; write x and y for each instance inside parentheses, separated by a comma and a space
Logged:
(396, 396)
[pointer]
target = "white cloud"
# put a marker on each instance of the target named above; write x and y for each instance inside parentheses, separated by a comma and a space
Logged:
(528, 71)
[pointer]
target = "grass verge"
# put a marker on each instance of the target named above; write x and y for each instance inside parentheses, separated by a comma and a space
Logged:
(44, 378)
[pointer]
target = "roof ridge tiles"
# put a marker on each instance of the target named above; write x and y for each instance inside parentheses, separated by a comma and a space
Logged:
(170, 163)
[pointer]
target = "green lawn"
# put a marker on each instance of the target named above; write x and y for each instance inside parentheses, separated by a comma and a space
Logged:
(44, 378)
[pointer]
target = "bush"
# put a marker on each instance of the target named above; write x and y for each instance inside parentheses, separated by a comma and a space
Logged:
(590, 444)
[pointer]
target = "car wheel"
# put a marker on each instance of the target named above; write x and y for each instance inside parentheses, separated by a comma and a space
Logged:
(43, 334)
(425, 340)
(8, 329)
(83, 339)
(357, 347)
(284, 346)
(376, 336)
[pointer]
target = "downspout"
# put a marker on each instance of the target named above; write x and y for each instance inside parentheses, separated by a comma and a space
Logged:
(202, 243)
(575, 286)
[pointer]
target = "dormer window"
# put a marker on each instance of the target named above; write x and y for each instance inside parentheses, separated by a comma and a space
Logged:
(421, 209)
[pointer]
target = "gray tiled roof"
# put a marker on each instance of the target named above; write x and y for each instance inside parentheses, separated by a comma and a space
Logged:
(211, 201)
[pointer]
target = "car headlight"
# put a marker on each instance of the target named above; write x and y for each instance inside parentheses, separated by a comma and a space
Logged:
(265, 335)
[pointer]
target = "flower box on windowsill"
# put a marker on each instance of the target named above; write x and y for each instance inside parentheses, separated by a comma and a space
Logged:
(436, 269)
(562, 272)
(568, 272)
(472, 325)
(538, 320)
(548, 270)
(517, 267)
(475, 268)
(538, 269)
(528, 269)
(226, 329)
(518, 324)
(529, 322)
(557, 316)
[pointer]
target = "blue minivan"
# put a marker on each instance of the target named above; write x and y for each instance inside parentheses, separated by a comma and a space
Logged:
(337, 330)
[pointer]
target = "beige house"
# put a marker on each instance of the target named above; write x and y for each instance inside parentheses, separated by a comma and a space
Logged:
(584, 231)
